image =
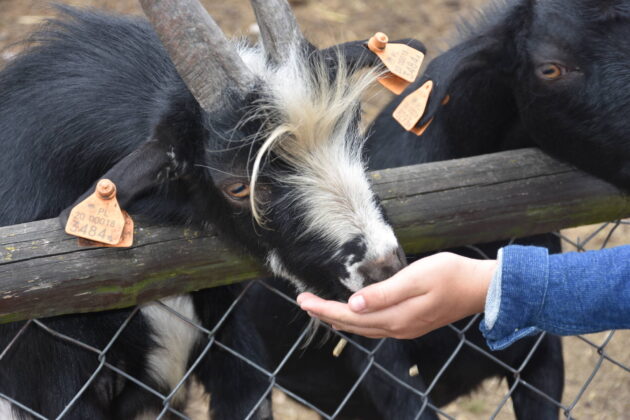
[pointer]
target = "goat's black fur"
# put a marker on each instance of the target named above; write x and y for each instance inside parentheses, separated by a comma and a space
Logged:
(97, 94)
(78, 114)
(498, 103)
(87, 116)
(90, 91)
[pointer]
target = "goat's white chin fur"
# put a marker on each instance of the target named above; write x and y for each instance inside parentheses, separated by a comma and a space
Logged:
(6, 412)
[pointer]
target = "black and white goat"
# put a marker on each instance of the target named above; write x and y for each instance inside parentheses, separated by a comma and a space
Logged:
(193, 129)
(549, 74)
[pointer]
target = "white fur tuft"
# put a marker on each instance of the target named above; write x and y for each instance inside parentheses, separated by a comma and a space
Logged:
(175, 339)
(312, 127)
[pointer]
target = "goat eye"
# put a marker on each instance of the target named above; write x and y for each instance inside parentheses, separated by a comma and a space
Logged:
(238, 190)
(550, 71)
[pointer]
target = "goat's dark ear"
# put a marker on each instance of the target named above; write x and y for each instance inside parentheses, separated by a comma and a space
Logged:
(356, 54)
(446, 68)
(150, 165)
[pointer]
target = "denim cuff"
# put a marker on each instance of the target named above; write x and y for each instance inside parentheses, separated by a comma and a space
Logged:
(493, 298)
(516, 295)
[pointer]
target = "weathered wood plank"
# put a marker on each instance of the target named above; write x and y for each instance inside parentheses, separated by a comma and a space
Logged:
(491, 197)
(432, 206)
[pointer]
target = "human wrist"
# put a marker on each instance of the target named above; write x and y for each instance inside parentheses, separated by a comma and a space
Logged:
(476, 276)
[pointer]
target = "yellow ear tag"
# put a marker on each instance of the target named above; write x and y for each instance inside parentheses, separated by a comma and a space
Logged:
(402, 61)
(126, 240)
(98, 217)
(411, 109)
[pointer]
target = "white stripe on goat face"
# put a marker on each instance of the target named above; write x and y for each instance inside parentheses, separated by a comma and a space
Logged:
(316, 113)
(277, 267)
(338, 206)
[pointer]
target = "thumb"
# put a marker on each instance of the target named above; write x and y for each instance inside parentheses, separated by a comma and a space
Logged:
(402, 286)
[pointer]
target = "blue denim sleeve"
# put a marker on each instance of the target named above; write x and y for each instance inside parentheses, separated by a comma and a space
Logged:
(564, 294)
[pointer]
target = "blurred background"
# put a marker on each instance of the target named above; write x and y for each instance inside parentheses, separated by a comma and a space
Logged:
(325, 23)
(434, 22)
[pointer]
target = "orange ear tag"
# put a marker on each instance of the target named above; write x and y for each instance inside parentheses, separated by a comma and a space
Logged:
(418, 131)
(98, 217)
(402, 61)
(411, 109)
(126, 240)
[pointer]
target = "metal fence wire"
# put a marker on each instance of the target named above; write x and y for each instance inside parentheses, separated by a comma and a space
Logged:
(605, 235)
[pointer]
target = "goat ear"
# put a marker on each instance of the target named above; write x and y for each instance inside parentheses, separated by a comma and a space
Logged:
(150, 165)
(357, 56)
(446, 68)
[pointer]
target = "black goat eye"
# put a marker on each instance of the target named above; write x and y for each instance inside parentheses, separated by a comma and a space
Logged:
(238, 190)
(550, 71)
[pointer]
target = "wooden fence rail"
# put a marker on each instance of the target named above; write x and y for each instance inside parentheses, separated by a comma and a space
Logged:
(43, 272)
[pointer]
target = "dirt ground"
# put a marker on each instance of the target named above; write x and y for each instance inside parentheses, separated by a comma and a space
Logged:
(330, 21)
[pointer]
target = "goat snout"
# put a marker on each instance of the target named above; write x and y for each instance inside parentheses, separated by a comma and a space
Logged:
(381, 268)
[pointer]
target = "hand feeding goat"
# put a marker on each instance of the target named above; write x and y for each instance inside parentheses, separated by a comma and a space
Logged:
(546, 74)
(204, 131)
(533, 74)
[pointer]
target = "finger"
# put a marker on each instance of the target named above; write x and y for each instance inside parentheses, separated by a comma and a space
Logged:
(408, 319)
(332, 310)
(303, 296)
(337, 313)
(401, 286)
(363, 331)
(416, 331)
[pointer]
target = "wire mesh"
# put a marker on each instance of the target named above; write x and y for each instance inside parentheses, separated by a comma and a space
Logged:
(608, 234)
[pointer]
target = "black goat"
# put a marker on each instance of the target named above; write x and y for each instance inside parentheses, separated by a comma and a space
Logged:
(549, 74)
(265, 133)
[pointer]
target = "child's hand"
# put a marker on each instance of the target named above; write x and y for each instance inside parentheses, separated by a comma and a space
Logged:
(426, 295)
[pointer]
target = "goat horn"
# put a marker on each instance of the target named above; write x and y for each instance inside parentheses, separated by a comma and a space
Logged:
(200, 51)
(278, 28)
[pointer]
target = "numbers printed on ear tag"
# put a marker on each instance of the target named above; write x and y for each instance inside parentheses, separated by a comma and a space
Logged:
(402, 61)
(99, 217)
(411, 109)
(126, 240)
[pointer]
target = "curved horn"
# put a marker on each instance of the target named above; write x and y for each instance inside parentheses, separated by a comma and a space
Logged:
(200, 51)
(278, 28)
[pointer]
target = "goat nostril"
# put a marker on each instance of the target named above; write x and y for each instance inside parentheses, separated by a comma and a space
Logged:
(382, 268)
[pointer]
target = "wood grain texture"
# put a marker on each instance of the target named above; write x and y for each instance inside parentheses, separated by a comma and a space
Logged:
(432, 206)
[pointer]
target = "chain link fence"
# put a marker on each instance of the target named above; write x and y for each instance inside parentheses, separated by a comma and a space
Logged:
(597, 367)
(493, 402)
